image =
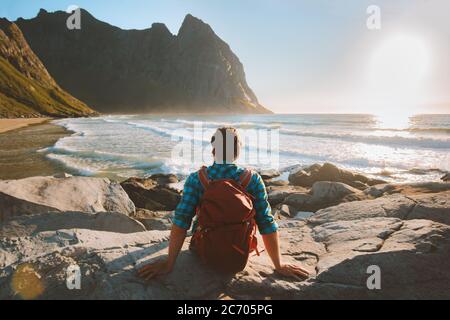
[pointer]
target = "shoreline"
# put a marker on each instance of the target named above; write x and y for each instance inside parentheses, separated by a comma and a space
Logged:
(20, 156)
(7, 125)
(19, 149)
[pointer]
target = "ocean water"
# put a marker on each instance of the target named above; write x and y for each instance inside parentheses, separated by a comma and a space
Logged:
(415, 148)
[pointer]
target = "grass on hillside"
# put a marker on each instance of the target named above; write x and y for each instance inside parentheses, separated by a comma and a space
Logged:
(22, 96)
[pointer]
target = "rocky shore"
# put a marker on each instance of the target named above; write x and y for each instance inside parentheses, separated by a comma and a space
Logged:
(336, 223)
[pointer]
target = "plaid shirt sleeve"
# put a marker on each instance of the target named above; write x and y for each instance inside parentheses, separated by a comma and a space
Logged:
(264, 218)
(185, 211)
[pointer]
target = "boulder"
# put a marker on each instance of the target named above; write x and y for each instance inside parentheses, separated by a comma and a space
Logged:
(108, 263)
(103, 221)
(276, 183)
(277, 194)
(164, 179)
(329, 172)
(409, 189)
(379, 190)
(341, 254)
(154, 220)
(287, 211)
(394, 206)
(149, 194)
(323, 194)
(269, 174)
(435, 207)
(331, 191)
(46, 194)
(299, 200)
(412, 246)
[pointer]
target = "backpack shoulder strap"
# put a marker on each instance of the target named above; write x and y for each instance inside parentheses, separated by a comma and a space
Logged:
(245, 178)
(203, 176)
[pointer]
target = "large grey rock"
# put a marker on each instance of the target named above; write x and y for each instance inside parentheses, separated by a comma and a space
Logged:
(268, 174)
(153, 193)
(365, 235)
(286, 211)
(323, 194)
(409, 189)
(342, 252)
(52, 221)
(108, 264)
(331, 191)
(336, 254)
(329, 172)
(277, 194)
(154, 220)
(44, 194)
(434, 207)
(394, 206)
(299, 200)
(412, 259)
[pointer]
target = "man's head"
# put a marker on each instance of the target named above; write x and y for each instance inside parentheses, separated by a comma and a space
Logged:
(226, 145)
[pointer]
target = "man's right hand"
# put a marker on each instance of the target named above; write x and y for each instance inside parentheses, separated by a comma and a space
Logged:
(155, 269)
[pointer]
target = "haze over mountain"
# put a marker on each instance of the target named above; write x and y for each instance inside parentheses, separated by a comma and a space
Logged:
(26, 87)
(134, 71)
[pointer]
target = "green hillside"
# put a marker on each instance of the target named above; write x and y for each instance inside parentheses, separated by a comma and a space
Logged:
(26, 88)
(20, 96)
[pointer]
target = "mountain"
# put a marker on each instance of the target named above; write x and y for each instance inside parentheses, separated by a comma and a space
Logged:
(135, 71)
(26, 87)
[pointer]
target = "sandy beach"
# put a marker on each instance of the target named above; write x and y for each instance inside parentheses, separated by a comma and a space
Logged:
(13, 124)
(19, 156)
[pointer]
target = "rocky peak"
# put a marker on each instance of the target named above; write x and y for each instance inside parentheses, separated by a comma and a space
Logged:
(42, 12)
(4, 24)
(161, 28)
(9, 29)
(194, 26)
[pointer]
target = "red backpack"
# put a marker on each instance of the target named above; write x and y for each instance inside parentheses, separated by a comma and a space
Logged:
(225, 234)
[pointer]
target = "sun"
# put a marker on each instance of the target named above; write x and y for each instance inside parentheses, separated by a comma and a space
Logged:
(397, 74)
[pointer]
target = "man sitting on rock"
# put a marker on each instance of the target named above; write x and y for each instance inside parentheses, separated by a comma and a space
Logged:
(229, 203)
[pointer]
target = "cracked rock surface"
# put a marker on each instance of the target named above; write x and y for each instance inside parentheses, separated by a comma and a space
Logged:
(406, 235)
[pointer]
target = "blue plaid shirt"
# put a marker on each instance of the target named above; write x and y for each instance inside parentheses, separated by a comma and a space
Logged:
(193, 191)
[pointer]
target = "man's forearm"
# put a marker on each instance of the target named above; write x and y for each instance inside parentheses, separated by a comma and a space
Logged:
(272, 247)
(177, 236)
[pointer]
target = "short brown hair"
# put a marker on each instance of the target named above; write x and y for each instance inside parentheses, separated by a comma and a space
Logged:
(237, 140)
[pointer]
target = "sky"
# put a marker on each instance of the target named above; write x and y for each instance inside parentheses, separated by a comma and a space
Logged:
(315, 56)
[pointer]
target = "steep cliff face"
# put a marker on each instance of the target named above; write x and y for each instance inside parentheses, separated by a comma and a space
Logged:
(26, 87)
(149, 70)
